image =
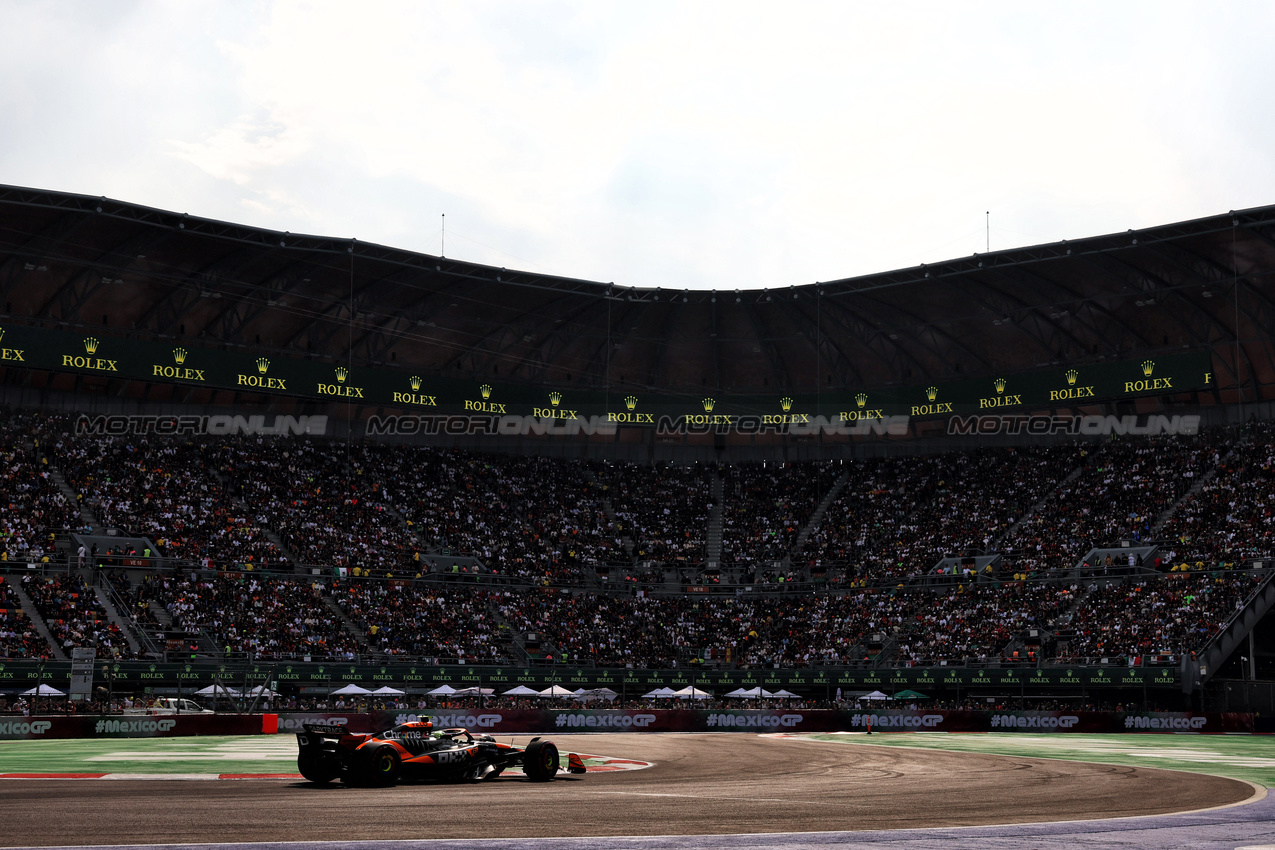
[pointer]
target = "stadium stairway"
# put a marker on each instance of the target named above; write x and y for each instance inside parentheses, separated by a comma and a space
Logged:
(1237, 630)
(713, 543)
(408, 528)
(121, 622)
(271, 535)
(1167, 515)
(346, 623)
(626, 540)
(86, 512)
(161, 614)
(28, 607)
(284, 548)
(1009, 533)
(817, 515)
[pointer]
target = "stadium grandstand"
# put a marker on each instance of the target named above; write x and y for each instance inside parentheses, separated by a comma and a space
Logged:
(1045, 474)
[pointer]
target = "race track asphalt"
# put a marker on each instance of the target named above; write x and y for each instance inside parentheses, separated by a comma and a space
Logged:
(700, 785)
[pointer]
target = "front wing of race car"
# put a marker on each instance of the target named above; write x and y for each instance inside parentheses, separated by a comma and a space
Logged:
(411, 752)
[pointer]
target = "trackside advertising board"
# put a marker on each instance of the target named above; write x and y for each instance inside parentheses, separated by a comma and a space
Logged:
(813, 720)
(135, 726)
(533, 721)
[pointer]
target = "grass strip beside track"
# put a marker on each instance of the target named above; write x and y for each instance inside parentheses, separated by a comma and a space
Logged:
(1247, 757)
(210, 754)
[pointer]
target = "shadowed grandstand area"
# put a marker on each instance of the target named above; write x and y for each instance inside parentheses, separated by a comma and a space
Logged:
(1133, 552)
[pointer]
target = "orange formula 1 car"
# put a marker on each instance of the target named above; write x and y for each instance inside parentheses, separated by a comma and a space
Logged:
(414, 751)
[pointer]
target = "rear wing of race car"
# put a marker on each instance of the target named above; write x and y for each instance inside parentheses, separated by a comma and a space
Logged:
(326, 730)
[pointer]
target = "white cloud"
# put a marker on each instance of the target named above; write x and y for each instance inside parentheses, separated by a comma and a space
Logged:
(705, 144)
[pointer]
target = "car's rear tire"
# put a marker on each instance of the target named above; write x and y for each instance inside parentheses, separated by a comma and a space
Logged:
(383, 765)
(540, 762)
(318, 767)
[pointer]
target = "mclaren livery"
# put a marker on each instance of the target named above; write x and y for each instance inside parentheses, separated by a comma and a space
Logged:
(415, 751)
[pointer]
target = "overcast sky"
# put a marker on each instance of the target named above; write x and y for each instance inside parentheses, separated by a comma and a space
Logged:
(687, 144)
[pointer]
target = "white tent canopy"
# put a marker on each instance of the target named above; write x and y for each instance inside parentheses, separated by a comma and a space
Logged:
(443, 690)
(216, 691)
(43, 691)
(351, 691)
(659, 693)
(782, 694)
(596, 693)
(750, 693)
(556, 691)
(260, 691)
(387, 691)
(521, 691)
(874, 695)
(692, 692)
(475, 691)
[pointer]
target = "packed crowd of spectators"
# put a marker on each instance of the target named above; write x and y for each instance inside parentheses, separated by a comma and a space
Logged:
(422, 621)
(969, 622)
(965, 623)
(1124, 488)
(34, 507)
(392, 511)
(1162, 617)
(74, 616)
(170, 491)
(621, 631)
(320, 500)
(530, 517)
(977, 498)
(1232, 517)
(18, 636)
(766, 506)
(257, 617)
(877, 497)
(663, 509)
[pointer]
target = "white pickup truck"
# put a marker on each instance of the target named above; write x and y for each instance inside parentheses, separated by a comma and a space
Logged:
(170, 705)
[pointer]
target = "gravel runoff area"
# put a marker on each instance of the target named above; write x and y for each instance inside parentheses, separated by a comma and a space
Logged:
(781, 792)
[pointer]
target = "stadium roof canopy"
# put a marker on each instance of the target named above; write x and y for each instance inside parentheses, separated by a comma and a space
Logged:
(82, 262)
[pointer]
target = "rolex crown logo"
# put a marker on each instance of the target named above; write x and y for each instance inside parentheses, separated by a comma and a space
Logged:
(999, 383)
(415, 383)
(179, 355)
(786, 404)
(931, 393)
(1071, 375)
(630, 402)
(91, 344)
(341, 374)
(708, 405)
(262, 365)
(485, 389)
(1148, 366)
(861, 399)
(554, 398)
